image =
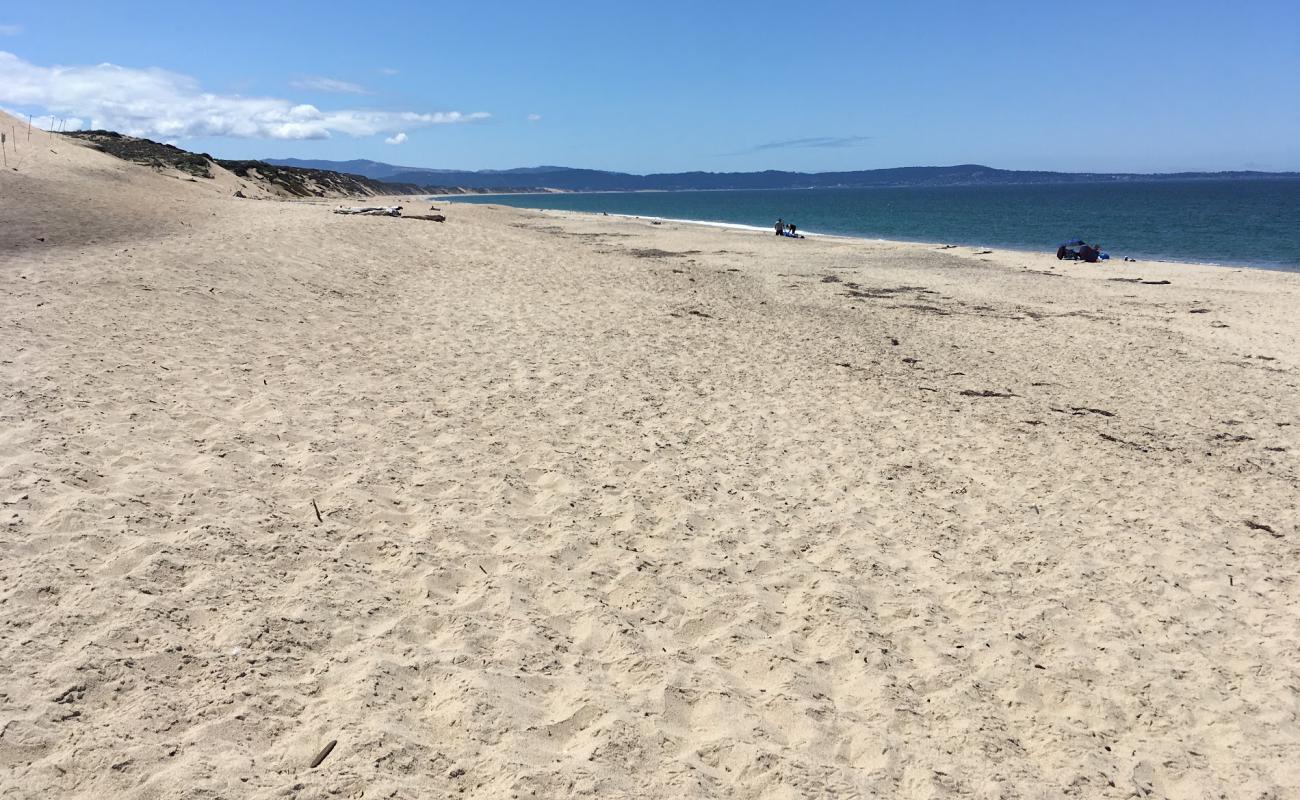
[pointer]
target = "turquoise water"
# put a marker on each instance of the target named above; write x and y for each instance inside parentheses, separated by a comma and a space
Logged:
(1247, 223)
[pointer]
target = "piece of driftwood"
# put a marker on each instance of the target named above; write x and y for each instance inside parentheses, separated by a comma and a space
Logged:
(429, 217)
(371, 211)
(1259, 526)
(323, 754)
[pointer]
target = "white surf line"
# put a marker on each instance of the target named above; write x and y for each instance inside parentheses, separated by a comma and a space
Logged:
(706, 223)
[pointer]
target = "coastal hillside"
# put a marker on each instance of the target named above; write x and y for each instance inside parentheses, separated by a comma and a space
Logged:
(275, 179)
(591, 180)
(64, 191)
(257, 177)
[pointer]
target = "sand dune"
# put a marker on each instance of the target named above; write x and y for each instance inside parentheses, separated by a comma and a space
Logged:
(611, 509)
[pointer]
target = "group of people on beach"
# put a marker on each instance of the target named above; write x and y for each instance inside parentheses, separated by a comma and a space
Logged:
(784, 229)
(1092, 253)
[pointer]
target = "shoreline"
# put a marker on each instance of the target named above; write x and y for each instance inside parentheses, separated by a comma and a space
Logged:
(879, 240)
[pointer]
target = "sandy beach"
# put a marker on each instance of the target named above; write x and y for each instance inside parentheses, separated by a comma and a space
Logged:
(535, 504)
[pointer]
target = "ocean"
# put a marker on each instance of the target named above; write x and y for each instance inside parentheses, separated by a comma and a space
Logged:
(1239, 223)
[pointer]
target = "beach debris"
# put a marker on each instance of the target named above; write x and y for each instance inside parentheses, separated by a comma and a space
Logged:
(456, 773)
(316, 508)
(946, 247)
(1085, 410)
(1199, 311)
(986, 393)
(926, 309)
(1124, 442)
(240, 193)
(982, 252)
(429, 217)
(72, 694)
(1156, 283)
(324, 753)
(831, 279)
(1259, 526)
(371, 211)
(654, 252)
(1229, 437)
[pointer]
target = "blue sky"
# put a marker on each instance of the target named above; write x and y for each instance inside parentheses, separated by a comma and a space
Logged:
(671, 86)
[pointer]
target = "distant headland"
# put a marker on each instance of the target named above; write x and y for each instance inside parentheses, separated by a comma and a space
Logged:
(570, 179)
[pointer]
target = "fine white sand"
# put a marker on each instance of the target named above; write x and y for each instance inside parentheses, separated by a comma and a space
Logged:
(615, 509)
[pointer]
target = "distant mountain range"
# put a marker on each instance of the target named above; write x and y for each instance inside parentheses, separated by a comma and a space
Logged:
(591, 180)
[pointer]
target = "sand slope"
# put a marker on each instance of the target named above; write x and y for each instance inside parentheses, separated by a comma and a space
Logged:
(612, 509)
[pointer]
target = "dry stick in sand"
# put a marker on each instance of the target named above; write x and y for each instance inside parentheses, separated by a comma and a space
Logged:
(323, 754)
(316, 508)
(1259, 526)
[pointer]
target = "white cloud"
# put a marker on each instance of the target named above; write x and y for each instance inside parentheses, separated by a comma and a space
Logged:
(322, 84)
(387, 71)
(10, 30)
(534, 117)
(398, 139)
(155, 102)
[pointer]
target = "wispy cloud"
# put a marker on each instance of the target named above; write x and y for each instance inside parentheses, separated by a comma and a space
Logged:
(397, 139)
(534, 117)
(319, 83)
(155, 102)
(387, 71)
(10, 30)
(809, 142)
